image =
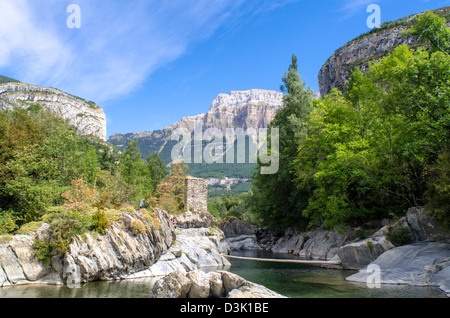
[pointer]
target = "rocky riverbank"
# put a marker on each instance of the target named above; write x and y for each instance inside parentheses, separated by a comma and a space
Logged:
(427, 247)
(174, 257)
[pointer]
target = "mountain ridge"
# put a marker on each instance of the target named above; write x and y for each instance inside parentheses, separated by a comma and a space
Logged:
(86, 116)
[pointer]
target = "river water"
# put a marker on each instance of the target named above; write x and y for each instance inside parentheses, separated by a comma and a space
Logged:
(292, 280)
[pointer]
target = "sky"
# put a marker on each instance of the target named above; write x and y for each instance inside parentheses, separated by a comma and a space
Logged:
(148, 63)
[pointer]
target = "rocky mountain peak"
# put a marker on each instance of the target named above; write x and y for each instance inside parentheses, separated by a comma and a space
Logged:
(253, 96)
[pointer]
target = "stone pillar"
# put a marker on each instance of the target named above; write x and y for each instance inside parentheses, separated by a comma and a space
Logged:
(196, 195)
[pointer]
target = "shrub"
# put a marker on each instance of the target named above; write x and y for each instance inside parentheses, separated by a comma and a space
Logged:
(138, 227)
(7, 222)
(29, 227)
(399, 236)
(101, 221)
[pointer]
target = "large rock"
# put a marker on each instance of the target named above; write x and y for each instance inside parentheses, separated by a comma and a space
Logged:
(423, 227)
(232, 227)
(197, 284)
(190, 219)
(120, 252)
(22, 246)
(117, 254)
(243, 242)
(193, 249)
(418, 264)
(359, 254)
(174, 285)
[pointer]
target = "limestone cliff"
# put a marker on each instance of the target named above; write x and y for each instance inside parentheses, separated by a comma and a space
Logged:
(253, 97)
(87, 117)
(367, 48)
(253, 108)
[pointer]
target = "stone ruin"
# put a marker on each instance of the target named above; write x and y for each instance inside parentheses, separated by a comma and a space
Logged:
(196, 213)
(196, 195)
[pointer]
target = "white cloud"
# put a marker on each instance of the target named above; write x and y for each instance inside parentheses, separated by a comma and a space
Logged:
(352, 7)
(119, 44)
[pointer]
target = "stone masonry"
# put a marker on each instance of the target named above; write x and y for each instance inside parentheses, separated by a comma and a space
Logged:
(196, 195)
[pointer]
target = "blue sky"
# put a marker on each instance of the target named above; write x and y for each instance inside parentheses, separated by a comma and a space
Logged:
(148, 63)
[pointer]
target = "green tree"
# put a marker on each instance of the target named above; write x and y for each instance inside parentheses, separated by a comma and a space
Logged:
(432, 30)
(157, 169)
(275, 198)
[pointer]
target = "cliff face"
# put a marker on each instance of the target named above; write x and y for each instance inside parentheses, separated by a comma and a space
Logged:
(88, 118)
(252, 97)
(253, 108)
(240, 109)
(365, 49)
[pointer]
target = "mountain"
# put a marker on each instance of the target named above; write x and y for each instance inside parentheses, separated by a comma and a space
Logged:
(87, 117)
(367, 48)
(253, 108)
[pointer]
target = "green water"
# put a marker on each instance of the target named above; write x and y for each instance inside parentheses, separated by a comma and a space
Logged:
(292, 280)
(312, 281)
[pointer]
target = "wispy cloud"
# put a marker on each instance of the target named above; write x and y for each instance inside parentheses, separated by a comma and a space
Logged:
(351, 7)
(120, 43)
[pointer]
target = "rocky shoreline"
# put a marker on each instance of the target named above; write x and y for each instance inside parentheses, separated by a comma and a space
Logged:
(177, 257)
(162, 253)
(423, 261)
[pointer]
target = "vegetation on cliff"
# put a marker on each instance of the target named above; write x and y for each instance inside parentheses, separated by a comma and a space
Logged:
(381, 148)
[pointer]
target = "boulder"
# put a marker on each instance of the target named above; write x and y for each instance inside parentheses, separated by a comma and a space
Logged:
(174, 285)
(423, 227)
(359, 254)
(190, 219)
(418, 264)
(197, 284)
(243, 242)
(33, 269)
(200, 286)
(233, 227)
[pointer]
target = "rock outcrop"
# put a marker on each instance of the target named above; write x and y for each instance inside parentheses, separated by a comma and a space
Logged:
(121, 253)
(360, 52)
(116, 255)
(250, 97)
(216, 284)
(418, 264)
(87, 117)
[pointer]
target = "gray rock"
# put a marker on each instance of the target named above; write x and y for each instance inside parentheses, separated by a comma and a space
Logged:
(32, 268)
(336, 71)
(359, 254)
(423, 227)
(11, 266)
(418, 264)
(233, 227)
(243, 242)
(200, 285)
(197, 284)
(216, 285)
(174, 285)
(190, 219)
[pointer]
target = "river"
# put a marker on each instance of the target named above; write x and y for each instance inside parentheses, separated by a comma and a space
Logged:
(292, 280)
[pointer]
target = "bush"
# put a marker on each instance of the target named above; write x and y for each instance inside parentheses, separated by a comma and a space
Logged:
(138, 227)
(8, 222)
(399, 236)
